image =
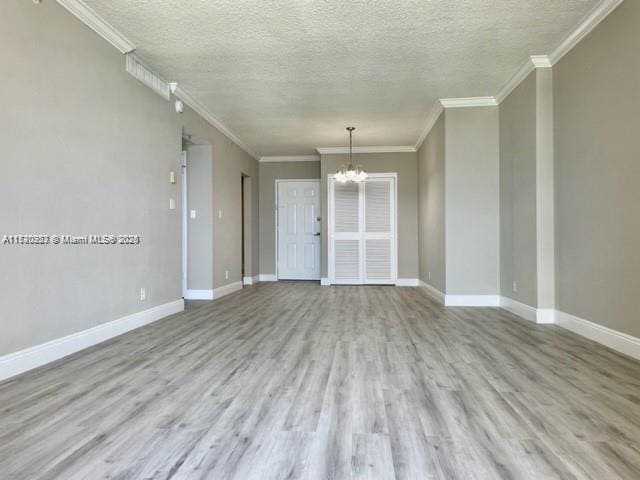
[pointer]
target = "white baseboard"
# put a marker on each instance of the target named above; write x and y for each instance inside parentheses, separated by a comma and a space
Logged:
(268, 277)
(472, 300)
(199, 295)
(432, 291)
(521, 309)
(533, 314)
(619, 341)
(33, 357)
(250, 280)
(546, 315)
(226, 289)
(407, 282)
(324, 281)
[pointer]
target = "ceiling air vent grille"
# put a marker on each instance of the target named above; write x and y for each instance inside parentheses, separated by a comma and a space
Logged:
(147, 76)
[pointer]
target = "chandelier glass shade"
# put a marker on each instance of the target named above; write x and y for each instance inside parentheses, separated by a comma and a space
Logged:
(349, 173)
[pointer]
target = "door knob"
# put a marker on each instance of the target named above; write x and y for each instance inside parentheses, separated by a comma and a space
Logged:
(317, 234)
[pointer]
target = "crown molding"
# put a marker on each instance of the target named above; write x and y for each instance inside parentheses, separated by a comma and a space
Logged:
(99, 25)
(540, 61)
(434, 114)
(201, 110)
(468, 102)
(533, 62)
(599, 13)
(593, 19)
(290, 158)
(389, 149)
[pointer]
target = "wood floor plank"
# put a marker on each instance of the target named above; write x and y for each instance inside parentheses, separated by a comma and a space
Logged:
(293, 380)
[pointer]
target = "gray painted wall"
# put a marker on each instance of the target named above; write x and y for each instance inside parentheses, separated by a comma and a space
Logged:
(431, 206)
(518, 193)
(88, 149)
(472, 201)
(597, 167)
(199, 229)
(269, 173)
(406, 165)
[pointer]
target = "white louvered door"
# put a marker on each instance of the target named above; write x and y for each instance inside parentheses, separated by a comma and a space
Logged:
(346, 237)
(362, 230)
(379, 231)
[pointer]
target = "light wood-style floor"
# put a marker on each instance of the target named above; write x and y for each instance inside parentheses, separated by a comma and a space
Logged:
(294, 380)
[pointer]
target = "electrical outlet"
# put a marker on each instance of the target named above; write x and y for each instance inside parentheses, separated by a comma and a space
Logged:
(226, 274)
(192, 214)
(220, 214)
(515, 286)
(172, 204)
(143, 293)
(429, 274)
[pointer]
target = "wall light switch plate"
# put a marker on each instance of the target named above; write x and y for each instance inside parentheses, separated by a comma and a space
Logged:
(172, 204)
(192, 214)
(143, 293)
(226, 274)
(219, 213)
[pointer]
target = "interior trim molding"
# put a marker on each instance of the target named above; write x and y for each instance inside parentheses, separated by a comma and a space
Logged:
(407, 282)
(518, 308)
(38, 355)
(251, 280)
(433, 117)
(517, 78)
(433, 291)
(103, 28)
(545, 316)
(472, 300)
(98, 24)
(621, 342)
(199, 295)
(201, 110)
(268, 277)
(591, 21)
(227, 289)
(290, 158)
(540, 61)
(468, 102)
(372, 149)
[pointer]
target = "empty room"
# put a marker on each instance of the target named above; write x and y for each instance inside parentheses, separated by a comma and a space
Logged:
(320, 239)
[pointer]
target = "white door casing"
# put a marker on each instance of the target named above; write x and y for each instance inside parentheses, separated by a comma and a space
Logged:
(183, 168)
(362, 246)
(298, 229)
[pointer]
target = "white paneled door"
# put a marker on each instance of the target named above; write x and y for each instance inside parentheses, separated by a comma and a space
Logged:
(362, 231)
(298, 220)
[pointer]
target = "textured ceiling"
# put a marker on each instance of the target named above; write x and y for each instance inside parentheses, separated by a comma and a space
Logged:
(288, 76)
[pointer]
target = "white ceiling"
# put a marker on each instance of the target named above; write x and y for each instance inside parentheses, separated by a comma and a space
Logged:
(288, 76)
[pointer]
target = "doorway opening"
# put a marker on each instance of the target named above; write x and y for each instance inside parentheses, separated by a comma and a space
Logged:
(246, 255)
(197, 217)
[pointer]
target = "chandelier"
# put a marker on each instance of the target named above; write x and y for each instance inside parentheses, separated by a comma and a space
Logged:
(349, 173)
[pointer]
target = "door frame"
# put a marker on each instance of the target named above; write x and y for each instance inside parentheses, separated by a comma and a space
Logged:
(331, 224)
(185, 213)
(277, 183)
